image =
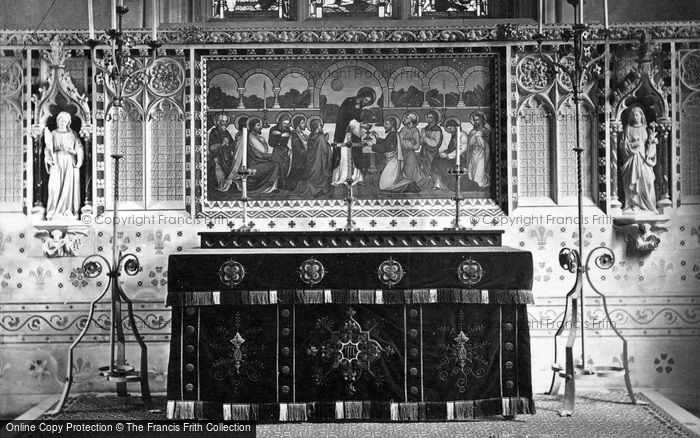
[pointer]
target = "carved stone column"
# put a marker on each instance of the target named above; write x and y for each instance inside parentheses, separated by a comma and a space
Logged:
(241, 96)
(39, 173)
(663, 200)
(86, 134)
(615, 130)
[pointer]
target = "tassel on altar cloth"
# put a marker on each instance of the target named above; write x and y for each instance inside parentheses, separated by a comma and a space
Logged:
(293, 412)
(240, 412)
(458, 410)
(366, 296)
(463, 410)
(339, 410)
(350, 296)
(184, 410)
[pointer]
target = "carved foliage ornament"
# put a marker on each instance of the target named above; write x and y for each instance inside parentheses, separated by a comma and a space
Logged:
(167, 76)
(470, 272)
(311, 272)
(10, 77)
(534, 74)
(690, 70)
(231, 273)
(194, 34)
(390, 272)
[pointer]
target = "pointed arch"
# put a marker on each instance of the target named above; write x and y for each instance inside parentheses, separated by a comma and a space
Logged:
(165, 160)
(534, 151)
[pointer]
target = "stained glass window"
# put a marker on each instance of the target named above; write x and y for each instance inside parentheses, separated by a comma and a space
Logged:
(235, 9)
(330, 8)
(447, 8)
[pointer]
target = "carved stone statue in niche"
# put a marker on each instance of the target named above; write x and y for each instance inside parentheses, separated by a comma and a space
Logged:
(63, 157)
(637, 160)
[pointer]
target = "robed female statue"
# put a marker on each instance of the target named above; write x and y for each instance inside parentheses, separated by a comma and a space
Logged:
(63, 158)
(638, 154)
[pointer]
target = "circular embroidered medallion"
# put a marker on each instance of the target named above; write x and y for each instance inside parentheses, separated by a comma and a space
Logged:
(390, 272)
(231, 273)
(470, 272)
(311, 272)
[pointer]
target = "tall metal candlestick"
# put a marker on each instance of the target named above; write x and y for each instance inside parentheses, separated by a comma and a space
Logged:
(573, 260)
(243, 174)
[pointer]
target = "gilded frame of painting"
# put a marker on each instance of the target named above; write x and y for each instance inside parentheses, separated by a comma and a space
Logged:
(318, 71)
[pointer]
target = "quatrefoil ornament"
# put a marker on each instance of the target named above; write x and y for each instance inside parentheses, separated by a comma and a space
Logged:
(470, 272)
(311, 271)
(390, 272)
(231, 273)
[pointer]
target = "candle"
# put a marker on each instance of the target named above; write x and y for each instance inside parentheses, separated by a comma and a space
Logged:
(580, 11)
(607, 18)
(91, 20)
(540, 14)
(244, 145)
(444, 94)
(114, 14)
(155, 20)
(264, 95)
(458, 152)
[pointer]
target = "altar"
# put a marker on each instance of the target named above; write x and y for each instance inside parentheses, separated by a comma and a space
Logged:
(373, 326)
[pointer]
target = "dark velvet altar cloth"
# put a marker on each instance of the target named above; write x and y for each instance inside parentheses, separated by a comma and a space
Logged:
(402, 334)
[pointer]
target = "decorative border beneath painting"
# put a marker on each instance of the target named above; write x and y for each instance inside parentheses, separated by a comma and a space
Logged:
(435, 208)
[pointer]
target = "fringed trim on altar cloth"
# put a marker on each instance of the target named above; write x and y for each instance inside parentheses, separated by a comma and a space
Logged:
(350, 296)
(186, 410)
(351, 410)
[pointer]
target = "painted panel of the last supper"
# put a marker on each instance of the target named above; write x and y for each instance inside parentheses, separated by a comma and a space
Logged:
(393, 126)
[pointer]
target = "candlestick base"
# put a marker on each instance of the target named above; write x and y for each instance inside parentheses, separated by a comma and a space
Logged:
(92, 43)
(349, 227)
(154, 45)
(246, 228)
(456, 228)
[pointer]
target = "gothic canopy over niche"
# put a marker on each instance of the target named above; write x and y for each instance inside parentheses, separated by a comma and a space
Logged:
(66, 195)
(641, 126)
(433, 104)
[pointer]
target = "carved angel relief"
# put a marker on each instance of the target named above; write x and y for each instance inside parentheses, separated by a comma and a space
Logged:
(61, 243)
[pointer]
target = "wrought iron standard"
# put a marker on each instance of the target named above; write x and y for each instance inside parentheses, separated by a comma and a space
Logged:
(118, 370)
(570, 259)
(121, 71)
